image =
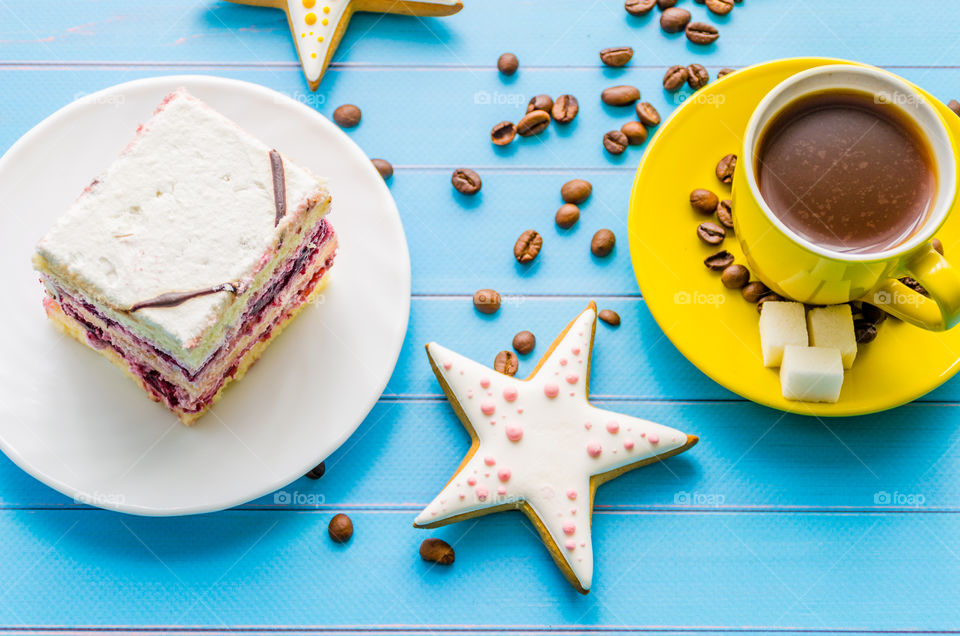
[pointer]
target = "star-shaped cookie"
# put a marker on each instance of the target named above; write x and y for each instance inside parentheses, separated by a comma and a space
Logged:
(318, 25)
(539, 446)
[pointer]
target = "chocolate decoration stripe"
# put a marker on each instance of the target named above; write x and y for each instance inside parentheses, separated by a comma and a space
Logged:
(172, 299)
(279, 186)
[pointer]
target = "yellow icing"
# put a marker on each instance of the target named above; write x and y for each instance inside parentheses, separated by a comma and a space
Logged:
(308, 3)
(313, 55)
(310, 18)
(326, 9)
(325, 22)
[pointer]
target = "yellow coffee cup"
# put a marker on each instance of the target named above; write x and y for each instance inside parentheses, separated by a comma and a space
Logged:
(795, 267)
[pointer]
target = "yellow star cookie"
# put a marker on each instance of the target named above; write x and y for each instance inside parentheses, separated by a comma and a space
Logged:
(318, 25)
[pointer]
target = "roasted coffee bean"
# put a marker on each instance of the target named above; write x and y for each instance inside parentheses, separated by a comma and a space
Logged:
(567, 216)
(576, 191)
(347, 116)
(533, 123)
(704, 201)
(954, 105)
(635, 131)
(503, 133)
(466, 181)
(384, 167)
(915, 285)
(697, 76)
(673, 20)
(725, 213)
(725, 168)
(602, 243)
(565, 109)
(937, 246)
(610, 317)
(752, 292)
(735, 276)
(719, 261)
(666, 4)
(486, 301)
(865, 331)
(506, 363)
(724, 72)
(616, 56)
(872, 313)
(615, 142)
(540, 102)
(508, 64)
(437, 551)
(702, 33)
(720, 7)
(675, 77)
(711, 233)
(647, 114)
(524, 342)
(767, 299)
(620, 95)
(340, 528)
(317, 471)
(639, 7)
(527, 246)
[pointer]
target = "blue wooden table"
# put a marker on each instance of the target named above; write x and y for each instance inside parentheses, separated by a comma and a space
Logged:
(772, 524)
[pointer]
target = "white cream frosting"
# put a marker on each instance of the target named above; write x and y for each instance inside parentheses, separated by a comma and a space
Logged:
(188, 205)
(541, 442)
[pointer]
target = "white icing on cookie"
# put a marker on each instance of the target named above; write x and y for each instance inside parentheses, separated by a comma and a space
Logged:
(540, 442)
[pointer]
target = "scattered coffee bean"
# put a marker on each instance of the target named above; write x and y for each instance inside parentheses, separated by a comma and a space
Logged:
(954, 105)
(865, 331)
(937, 245)
(466, 181)
(615, 142)
(767, 299)
(610, 317)
(384, 167)
(719, 261)
(735, 276)
(317, 471)
(704, 201)
(724, 72)
(697, 76)
(524, 342)
(647, 114)
(620, 95)
(672, 20)
(915, 285)
(576, 191)
(720, 7)
(347, 116)
(527, 246)
(666, 4)
(437, 551)
(702, 33)
(616, 56)
(540, 102)
(675, 77)
(639, 7)
(567, 216)
(725, 213)
(486, 301)
(508, 64)
(635, 131)
(711, 233)
(506, 363)
(565, 109)
(533, 123)
(340, 528)
(872, 313)
(752, 292)
(725, 168)
(602, 243)
(503, 133)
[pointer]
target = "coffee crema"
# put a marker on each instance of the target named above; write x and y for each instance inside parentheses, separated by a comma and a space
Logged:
(846, 171)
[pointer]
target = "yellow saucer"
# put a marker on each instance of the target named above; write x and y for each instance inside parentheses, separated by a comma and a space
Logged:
(714, 327)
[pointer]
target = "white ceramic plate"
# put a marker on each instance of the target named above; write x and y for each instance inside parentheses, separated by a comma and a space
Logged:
(74, 421)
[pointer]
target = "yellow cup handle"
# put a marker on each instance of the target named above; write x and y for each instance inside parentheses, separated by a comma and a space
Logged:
(941, 310)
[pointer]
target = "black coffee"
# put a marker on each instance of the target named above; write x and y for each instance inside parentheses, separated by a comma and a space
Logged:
(846, 172)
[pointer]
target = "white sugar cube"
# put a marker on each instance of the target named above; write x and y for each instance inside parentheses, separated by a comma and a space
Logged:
(832, 327)
(811, 374)
(781, 324)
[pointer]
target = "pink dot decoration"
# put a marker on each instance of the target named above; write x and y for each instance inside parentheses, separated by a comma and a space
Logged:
(447, 366)
(472, 481)
(628, 444)
(551, 390)
(569, 527)
(572, 378)
(489, 461)
(593, 449)
(612, 427)
(485, 382)
(563, 362)
(488, 407)
(575, 351)
(503, 474)
(514, 433)
(482, 493)
(653, 438)
(571, 494)
(509, 394)
(570, 545)
(587, 425)
(501, 490)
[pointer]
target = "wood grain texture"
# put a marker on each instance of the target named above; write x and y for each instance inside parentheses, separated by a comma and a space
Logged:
(772, 524)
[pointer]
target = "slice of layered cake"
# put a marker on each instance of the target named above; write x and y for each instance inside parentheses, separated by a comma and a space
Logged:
(188, 255)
